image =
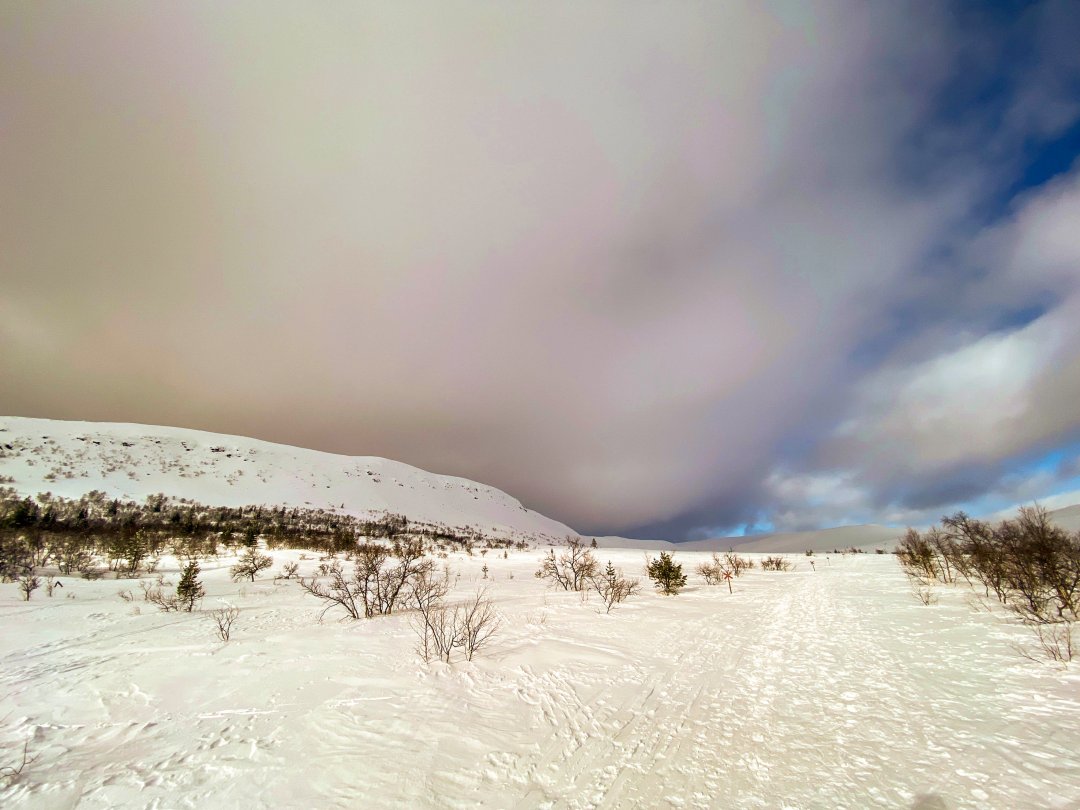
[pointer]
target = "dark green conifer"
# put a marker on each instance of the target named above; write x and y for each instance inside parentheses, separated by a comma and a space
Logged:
(666, 574)
(190, 590)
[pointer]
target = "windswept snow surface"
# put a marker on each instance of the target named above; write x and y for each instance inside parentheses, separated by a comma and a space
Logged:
(131, 462)
(832, 688)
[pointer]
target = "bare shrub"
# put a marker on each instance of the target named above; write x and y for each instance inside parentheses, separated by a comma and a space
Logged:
(923, 591)
(1054, 642)
(712, 571)
(289, 570)
(480, 622)
(223, 619)
(250, 564)
(916, 555)
(572, 569)
(12, 772)
(51, 584)
(382, 579)
(775, 564)
(737, 565)
(28, 583)
(1030, 565)
(612, 587)
(156, 595)
(441, 628)
(16, 558)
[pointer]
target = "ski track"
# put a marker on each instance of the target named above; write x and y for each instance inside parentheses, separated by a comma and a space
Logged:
(833, 689)
(811, 709)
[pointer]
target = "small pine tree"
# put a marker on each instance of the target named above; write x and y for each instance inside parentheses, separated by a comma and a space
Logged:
(666, 574)
(190, 590)
(610, 574)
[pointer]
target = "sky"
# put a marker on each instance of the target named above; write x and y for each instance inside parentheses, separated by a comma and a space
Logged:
(660, 270)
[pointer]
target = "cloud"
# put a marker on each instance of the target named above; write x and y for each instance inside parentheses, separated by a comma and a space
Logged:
(616, 260)
(952, 426)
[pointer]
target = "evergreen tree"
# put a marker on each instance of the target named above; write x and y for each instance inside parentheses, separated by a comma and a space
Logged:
(190, 590)
(666, 574)
(610, 574)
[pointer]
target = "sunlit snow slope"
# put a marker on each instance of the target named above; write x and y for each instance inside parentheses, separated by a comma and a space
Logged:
(133, 461)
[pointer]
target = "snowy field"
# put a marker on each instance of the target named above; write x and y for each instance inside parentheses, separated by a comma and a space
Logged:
(832, 688)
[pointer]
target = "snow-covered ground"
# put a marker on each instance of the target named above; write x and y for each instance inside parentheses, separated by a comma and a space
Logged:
(831, 688)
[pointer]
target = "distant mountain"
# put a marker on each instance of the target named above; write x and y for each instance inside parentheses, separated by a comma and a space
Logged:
(1067, 517)
(865, 538)
(133, 461)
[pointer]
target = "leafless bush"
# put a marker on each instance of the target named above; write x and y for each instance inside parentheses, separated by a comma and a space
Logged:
(613, 587)
(1030, 565)
(775, 564)
(572, 569)
(737, 565)
(720, 569)
(223, 619)
(340, 590)
(51, 584)
(288, 570)
(12, 772)
(916, 555)
(480, 622)
(441, 628)
(1055, 643)
(923, 591)
(28, 583)
(382, 579)
(250, 565)
(712, 571)
(156, 595)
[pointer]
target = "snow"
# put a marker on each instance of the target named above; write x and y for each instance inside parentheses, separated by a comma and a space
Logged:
(818, 688)
(133, 461)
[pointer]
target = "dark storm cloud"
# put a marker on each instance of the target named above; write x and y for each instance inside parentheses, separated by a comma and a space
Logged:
(616, 259)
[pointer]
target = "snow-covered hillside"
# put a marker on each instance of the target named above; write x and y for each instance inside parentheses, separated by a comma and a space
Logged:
(133, 461)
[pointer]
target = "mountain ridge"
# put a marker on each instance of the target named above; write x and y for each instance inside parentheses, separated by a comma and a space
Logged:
(131, 461)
